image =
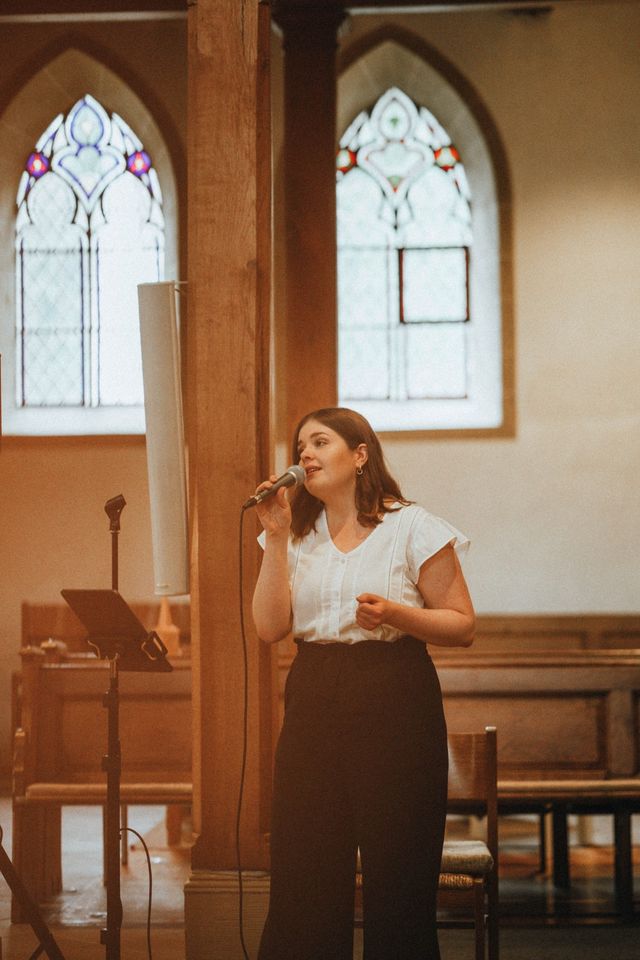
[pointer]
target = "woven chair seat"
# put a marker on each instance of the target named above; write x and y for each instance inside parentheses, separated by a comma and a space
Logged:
(470, 857)
(456, 881)
(462, 860)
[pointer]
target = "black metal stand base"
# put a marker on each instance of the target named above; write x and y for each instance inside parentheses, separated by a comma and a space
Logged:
(111, 764)
(46, 942)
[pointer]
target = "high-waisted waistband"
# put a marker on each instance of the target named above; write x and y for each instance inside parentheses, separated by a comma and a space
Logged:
(368, 649)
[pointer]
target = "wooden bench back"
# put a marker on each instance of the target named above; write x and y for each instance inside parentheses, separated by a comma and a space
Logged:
(552, 633)
(65, 723)
(563, 692)
(575, 716)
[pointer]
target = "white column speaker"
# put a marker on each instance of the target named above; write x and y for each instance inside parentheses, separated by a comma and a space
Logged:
(166, 461)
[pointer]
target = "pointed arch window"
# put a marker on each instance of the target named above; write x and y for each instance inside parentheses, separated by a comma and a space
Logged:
(89, 228)
(407, 329)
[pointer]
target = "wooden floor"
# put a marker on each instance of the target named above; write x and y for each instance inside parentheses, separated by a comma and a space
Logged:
(537, 921)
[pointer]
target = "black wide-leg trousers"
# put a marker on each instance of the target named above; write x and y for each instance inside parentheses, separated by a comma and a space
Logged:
(361, 763)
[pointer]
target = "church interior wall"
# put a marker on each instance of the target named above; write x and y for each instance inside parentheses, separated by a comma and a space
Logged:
(551, 510)
(54, 532)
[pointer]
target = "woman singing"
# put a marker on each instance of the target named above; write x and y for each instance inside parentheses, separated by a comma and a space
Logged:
(363, 579)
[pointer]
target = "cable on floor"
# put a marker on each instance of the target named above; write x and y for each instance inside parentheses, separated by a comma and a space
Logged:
(146, 850)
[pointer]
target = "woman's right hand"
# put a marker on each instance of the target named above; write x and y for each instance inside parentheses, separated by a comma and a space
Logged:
(274, 513)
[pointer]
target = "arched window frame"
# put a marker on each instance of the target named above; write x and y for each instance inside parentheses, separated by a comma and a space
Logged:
(393, 57)
(63, 81)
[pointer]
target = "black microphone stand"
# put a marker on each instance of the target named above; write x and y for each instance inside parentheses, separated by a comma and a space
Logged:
(111, 764)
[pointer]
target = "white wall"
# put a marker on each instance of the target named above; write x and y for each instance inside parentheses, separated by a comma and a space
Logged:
(554, 512)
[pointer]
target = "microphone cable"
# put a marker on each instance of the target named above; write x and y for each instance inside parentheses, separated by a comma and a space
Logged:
(150, 873)
(245, 736)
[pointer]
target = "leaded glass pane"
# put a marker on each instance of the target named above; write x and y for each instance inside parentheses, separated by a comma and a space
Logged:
(440, 214)
(89, 162)
(154, 184)
(360, 214)
(51, 257)
(363, 369)
(434, 285)
(435, 357)
(48, 137)
(87, 232)
(50, 204)
(52, 367)
(127, 249)
(364, 285)
(401, 193)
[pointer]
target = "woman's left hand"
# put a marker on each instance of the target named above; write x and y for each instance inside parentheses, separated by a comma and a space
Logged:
(372, 611)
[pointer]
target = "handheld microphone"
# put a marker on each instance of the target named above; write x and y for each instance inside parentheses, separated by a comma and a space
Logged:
(292, 477)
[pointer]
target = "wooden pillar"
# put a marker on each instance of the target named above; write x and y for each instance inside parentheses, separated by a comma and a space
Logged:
(229, 180)
(309, 170)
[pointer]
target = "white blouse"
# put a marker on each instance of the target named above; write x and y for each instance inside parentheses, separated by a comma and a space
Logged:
(325, 581)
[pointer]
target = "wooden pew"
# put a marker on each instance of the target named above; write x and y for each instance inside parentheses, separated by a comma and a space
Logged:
(554, 633)
(51, 625)
(569, 737)
(59, 745)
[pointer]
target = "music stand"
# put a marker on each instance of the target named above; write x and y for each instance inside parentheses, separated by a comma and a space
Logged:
(116, 635)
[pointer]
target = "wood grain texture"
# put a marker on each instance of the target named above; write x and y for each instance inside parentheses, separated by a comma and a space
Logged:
(228, 426)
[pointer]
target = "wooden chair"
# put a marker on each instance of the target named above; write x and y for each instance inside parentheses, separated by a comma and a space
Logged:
(469, 870)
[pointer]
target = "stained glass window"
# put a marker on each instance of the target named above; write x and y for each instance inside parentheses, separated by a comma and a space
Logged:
(404, 249)
(89, 229)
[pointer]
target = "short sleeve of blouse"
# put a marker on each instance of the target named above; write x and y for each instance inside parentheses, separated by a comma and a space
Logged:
(427, 535)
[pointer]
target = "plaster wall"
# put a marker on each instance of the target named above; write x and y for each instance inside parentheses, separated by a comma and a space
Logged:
(552, 512)
(53, 530)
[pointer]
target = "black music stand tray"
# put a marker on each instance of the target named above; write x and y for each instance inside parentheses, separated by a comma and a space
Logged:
(115, 632)
(116, 635)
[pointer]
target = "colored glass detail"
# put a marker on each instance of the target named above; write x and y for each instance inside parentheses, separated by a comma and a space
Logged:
(86, 236)
(446, 157)
(139, 162)
(37, 165)
(345, 160)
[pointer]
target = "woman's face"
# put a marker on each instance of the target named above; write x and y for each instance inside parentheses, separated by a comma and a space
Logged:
(329, 465)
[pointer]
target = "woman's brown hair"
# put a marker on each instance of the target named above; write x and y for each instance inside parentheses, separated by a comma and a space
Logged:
(374, 488)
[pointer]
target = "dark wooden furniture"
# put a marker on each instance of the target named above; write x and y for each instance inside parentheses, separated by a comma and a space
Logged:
(59, 745)
(55, 628)
(569, 738)
(469, 868)
(553, 633)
